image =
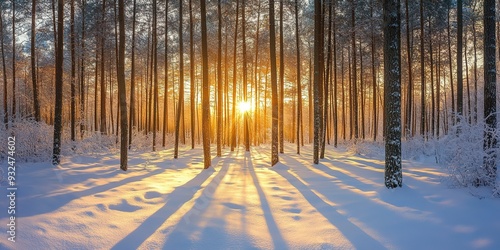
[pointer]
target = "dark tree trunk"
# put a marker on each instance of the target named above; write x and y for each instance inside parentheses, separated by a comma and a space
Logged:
(132, 80)
(281, 85)
(121, 86)
(36, 104)
(274, 85)
(73, 70)
(219, 82)
(460, 87)
(205, 99)
(191, 72)
(490, 140)
(56, 153)
(178, 115)
(4, 72)
(392, 93)
(422, 70)
(318, 76)
(154, 50)
(299, 87)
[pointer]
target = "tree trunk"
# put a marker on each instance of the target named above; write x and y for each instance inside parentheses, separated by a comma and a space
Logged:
(191, 72)
(392, 93)
(14, 59)
(73, 71)
(165, 94)
(460, 87)
(299, 87)
(318, 76)
(82, 73)
(56, 153)
(132, 81)
(103, 83)
(409, 92)
(235, 69)
(490, 91)
(155, 74)
(422, 70)
(181, 84)
(219, 83)
(274, 85)
(4, 72)
(121, 86)
(245, 84)
(36, 105)
(354, 73)
(281, 85)
(205, 99)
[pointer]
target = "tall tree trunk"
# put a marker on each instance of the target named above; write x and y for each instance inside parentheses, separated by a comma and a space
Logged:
(14, 59)
(299, 86)
(281, 85)
(409, 93)
(354, 72)
(103, 83)
(155, 74)
(205, 98)
(165, 94)
(318, 76)
(392, 93)
(326, 82)
(374, 77)
(451, 68)
(235, 69)
(475, 68)
(422, 70)
(274, 85)
(181, 84)
(4, 72)
(335, 109)
(460, 87)
(191, 72)
(56, 153)
(82, 73)
(132, 80)
(490, 90)
(121, 86)
(219, 82)
(73, 70)
(245, 83)
(36, 105)
(433, 101)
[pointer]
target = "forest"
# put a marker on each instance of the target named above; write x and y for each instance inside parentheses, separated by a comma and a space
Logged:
(156, 74)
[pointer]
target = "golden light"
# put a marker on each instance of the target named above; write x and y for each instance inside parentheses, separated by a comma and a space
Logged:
(244, 107)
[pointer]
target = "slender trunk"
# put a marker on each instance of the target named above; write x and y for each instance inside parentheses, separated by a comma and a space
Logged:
(246, 131)
(82, 73)
(103, 83)
(318, 76)
(299, 87)
(433, 106)
(235, 69)
(14, 59)
(191, 72)
(165, 94)
(56, 153)
(451, 69)
(73, 71)
(36, 105)
(374, 78)
(281, 86)
(354, 73)
(475, 69)
(409, 91)
(460, 106)
(219, 83)
(422, 71)
(132, 81)
(205, 99)
(154, 50)
(121, 87)
(274, 85)
(181, 84)
(4, 73)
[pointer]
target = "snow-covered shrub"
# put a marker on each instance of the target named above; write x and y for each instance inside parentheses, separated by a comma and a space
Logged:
(463, 154)
(33, 140)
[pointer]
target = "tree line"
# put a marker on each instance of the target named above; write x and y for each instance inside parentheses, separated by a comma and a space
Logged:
(317, 72)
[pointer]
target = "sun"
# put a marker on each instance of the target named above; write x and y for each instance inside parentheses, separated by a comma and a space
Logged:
(244, 107)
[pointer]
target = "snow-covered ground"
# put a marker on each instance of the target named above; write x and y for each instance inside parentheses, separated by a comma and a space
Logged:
(242, 203)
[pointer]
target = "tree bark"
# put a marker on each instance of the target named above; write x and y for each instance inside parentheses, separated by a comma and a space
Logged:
(392, 90)
(121, 86)
(205, 99)
(56, 153)
(274, 85)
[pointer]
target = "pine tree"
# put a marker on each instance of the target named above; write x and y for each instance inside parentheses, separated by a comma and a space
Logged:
(121, 86)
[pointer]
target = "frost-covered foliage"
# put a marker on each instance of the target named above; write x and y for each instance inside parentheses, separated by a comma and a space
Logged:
(463, 155)
(34, 142)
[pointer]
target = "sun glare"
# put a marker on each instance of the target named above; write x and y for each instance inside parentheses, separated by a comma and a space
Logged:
(244, 107)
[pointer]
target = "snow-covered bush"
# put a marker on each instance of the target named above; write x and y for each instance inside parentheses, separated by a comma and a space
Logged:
(463, 154)
(33, 140)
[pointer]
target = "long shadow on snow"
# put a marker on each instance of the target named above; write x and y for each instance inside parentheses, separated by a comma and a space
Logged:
(278, 241)
(358, 238)
(46, 204)
(176, 200)
(181, 232)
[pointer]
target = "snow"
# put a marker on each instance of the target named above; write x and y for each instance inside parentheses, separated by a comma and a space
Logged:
(242, 203)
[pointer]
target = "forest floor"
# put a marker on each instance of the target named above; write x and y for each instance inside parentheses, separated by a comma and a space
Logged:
(242, 203)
